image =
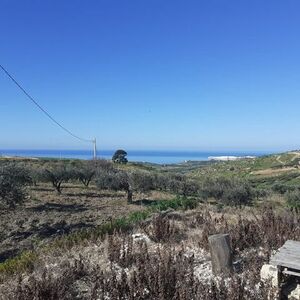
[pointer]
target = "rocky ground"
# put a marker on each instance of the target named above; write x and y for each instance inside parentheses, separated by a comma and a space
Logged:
(164, 256)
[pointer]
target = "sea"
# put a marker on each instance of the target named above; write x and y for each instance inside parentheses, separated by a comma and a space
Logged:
(153, 156)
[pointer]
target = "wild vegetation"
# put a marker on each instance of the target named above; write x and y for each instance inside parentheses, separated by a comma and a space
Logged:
(13, 179)
(142, 230)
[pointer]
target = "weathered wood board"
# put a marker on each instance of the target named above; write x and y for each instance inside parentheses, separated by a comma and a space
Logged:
(288, 256)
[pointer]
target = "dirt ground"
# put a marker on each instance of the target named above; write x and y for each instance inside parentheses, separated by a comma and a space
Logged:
(46, 215)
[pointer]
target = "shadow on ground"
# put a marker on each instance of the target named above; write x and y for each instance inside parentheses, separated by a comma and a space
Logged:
(146, 202)
(59, 207)
(39, 232)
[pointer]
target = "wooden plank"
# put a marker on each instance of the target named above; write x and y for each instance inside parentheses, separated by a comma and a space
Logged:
(288, 255)
(286, 264)
(288, 272)
(283, 258)
(291, 244)
(292, 250)
(288, 261)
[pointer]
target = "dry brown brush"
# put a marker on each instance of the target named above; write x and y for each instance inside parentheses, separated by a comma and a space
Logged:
(158, 267)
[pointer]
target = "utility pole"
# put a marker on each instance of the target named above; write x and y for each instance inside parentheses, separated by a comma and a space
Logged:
(95, 149)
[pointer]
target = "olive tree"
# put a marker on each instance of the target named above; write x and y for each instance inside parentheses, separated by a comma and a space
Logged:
(36, 175)
(88, 170)
(58, 174)
(229, 190)
(115, 180)
(85, 172)
(129, 182)
(238, 194)
(13, 180)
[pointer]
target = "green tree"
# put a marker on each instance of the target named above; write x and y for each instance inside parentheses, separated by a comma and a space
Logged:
(115, 180)
(120, 157)
(58, 174)
(119, 180)
(86, 172)
(13, 180)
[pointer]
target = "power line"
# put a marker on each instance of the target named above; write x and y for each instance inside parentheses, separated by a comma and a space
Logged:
(43, 110)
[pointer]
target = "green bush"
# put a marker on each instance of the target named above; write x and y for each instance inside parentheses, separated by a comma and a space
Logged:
(176, 203)
(13, 180)
(215, 187)
(230, 191)
(238, 194)
(282, 188)
(293, 200)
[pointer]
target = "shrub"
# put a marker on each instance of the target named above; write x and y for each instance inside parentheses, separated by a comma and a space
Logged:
(160, 181)
(261, 193)
(141, 181)
(188, 188)
(293, 200)
(269, 230)
(161, 229)
(13, 180)
(215, 186)
(176, 183)
(231, 191)
(177, 203)
(238, 194)
(281, 188)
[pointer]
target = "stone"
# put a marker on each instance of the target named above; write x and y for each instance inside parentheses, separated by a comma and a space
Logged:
(139, 237)
(269, 273)
(221, 254)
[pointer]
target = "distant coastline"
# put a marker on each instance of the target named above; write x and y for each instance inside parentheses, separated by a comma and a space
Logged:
(151, 156)
(230, 157)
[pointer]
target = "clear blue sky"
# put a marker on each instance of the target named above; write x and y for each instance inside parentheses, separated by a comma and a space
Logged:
(152, 74)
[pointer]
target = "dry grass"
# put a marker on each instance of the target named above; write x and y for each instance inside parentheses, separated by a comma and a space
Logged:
(46, 215)
(165, 257)
(273, 172)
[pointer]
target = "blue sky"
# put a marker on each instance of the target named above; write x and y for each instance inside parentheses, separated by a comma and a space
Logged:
(152, 74)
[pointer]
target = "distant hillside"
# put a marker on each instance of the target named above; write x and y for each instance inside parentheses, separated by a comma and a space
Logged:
(283, 168)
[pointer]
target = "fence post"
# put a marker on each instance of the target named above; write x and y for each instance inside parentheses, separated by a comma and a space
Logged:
(221, 254)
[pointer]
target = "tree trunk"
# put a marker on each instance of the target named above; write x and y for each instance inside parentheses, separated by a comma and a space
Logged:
(129, 196)
(58, 188)
(221, 253)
